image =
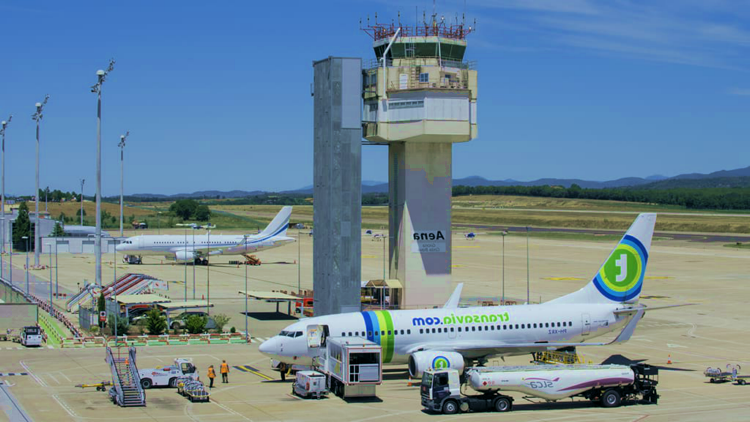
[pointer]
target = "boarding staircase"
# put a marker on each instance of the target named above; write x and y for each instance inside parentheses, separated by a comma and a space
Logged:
(88, 292)
(129, 284)
(126, 388)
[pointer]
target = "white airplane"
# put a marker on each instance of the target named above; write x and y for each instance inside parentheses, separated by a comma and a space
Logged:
(190, 248)
(452, 337)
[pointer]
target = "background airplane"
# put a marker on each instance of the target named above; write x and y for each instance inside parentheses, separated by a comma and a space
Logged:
(191, 248)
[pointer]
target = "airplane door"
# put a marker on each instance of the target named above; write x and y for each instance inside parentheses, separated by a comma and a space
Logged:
(316, 336)
(585, 324)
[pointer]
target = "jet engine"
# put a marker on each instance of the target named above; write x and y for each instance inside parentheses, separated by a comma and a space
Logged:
(185, 255)
(432, 359)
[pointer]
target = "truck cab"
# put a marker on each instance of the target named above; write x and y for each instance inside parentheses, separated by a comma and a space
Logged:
(31, 336)
(441, 392)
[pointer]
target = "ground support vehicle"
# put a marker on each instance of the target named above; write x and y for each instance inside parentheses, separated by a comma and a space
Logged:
(132, 259)
(731, 374)
(100, 386)
(353, 366)
(31, 336)
(168, 375)
(194, 390)
(609, 385)
(309, 384)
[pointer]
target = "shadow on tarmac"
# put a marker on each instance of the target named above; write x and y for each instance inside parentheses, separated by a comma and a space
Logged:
(270, 316)
(622, 360)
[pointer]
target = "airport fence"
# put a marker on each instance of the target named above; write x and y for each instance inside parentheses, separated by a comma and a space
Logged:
(160, 340)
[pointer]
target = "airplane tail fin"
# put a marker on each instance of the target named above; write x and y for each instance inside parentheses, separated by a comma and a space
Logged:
(279, 224)
(620, 278)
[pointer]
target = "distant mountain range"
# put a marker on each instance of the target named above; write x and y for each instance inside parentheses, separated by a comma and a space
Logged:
(722, 178)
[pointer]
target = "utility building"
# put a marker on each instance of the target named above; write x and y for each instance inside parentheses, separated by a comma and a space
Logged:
(337, 176)
(420, 97)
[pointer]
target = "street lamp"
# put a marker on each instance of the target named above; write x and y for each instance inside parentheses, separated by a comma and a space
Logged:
(82, 182)
(27, 262)
(528, 285)
(247, 333)
(3, 125)
(38, 118)
(49, 252)
(186, 266)
(503, 234)
(114, 286)
(122, 172)
(299, 259)
(101, 76)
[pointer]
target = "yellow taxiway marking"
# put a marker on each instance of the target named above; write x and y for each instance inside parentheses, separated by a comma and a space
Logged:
(250, 369)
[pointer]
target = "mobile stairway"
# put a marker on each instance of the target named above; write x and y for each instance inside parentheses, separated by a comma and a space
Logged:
(129, 284)
(90, 291)
(126, 388)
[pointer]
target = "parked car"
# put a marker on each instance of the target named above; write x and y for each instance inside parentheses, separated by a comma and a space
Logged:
(179, 320)
(139, 314)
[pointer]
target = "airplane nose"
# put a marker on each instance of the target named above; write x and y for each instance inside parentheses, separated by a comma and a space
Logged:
(268, 347)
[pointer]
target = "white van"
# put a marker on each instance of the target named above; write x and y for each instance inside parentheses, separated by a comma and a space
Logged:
(310, 384)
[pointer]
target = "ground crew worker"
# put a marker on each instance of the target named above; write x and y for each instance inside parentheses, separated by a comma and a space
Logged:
(211, 376)
(224, 372)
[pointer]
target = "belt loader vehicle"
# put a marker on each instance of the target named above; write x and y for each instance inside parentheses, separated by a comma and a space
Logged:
(608, 384)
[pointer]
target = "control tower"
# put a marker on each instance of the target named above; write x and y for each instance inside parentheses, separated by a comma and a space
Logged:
(420, 97)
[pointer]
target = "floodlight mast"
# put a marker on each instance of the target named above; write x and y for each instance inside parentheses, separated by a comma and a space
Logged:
(122, 175)
(101, 76)
(38, 118)
(2, 134)
(82, 182)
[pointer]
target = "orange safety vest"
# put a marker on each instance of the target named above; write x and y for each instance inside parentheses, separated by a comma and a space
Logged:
(224, 368)
(211, 373)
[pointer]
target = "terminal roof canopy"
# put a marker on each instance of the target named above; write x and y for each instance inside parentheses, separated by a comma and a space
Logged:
(133, 299)
(269, 296)
(186, 304)
(390, 283)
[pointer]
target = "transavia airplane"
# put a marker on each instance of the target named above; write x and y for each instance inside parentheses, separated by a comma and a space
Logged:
(454, 337)
(190, 248)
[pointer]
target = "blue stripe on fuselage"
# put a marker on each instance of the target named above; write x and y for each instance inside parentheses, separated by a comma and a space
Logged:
(368, 325)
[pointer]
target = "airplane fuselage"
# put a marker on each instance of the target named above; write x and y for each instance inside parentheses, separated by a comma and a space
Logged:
(403, 332)
(207, 244)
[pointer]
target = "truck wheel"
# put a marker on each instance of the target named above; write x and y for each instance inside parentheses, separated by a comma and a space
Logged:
(450, 407)
(502, 404)
(146, 383)
(611, 398)
(173, 382)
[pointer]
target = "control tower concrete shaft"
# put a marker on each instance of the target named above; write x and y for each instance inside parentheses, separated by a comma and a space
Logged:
(420, 97)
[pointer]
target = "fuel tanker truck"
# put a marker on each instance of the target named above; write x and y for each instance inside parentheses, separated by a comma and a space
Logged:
(610, 385)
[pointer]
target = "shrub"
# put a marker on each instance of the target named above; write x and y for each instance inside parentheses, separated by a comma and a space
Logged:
(155, 322)
(233, 330)
(123, 325)
(221, 320)
(196, 324)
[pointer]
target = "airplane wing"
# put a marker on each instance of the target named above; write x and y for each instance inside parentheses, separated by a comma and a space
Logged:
(497, 347)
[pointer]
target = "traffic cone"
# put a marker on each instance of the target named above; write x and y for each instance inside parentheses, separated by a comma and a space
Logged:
(669, 360)
(409, 383)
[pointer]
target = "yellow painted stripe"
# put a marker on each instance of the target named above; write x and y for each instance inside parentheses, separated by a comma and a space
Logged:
(264, 376)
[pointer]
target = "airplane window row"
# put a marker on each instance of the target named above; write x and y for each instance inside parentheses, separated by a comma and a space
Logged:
(370, 333)
(499, 327)
(291, 333)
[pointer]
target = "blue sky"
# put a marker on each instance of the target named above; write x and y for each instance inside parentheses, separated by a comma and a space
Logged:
(216, 95)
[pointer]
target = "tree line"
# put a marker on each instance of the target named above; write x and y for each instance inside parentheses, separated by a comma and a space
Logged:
(690, 198)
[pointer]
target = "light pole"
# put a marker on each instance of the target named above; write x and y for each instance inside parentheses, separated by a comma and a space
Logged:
(4, 124)
(49, 252)
(193, 265)
(503, 234)
(247, 333)
(11, 254)
(208, 272)
(101, 76)
(57, 291)
(122, 173)
(82, 182)
(38, 118)
(528, 288)
(299, 259)
(114, 287)
(186, 266)
(27, 262)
